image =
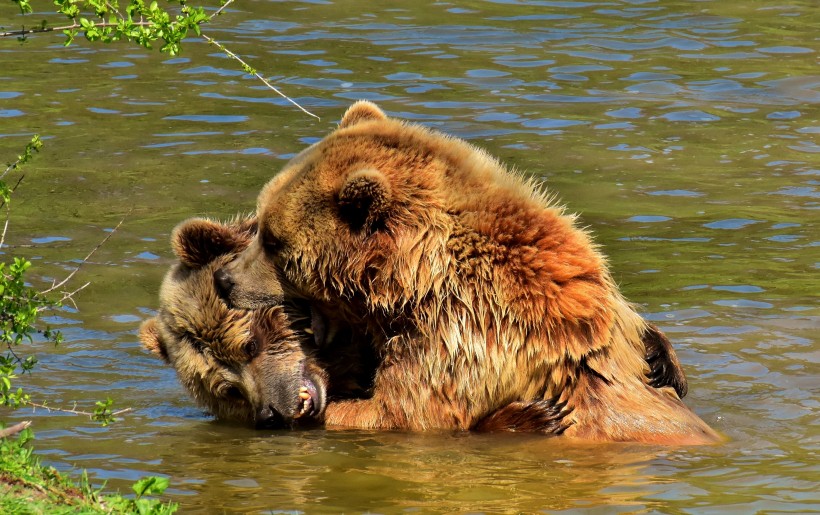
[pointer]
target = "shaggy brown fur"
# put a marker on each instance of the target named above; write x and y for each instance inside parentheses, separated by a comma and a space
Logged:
(251, 366)
(476, 288)
(239, 365)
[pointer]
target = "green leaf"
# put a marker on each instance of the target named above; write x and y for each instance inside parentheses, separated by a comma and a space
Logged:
(69, 35)
(24, 6)
(151, 485)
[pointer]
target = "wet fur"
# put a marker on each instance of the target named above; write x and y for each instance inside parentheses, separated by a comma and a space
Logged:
(234, 363)
(207, 342)
(478, 290)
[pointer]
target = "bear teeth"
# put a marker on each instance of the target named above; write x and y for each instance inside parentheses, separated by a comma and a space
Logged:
(306, 403)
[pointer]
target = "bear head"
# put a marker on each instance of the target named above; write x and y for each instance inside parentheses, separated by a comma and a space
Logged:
(345, 214)
(247, 366)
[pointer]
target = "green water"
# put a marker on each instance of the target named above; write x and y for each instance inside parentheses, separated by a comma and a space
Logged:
(683, 133)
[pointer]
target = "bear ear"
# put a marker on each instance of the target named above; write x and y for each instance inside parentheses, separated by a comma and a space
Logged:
(151, 339)
(365, 197)
(198, 241)
(361, 111)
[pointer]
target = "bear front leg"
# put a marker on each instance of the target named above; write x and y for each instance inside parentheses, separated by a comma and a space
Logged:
(360, 414)
(402, 401)
(391, 391)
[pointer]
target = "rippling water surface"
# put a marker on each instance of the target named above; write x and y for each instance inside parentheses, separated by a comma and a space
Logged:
(683, 133)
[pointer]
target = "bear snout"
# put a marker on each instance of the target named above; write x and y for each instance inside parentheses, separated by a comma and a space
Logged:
(224, 284)
(269, 418)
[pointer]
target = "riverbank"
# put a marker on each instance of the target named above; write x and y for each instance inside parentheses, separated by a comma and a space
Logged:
(29, 487)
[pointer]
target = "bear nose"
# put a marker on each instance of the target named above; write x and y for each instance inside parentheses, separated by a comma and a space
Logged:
(269, 418)
(224, 283)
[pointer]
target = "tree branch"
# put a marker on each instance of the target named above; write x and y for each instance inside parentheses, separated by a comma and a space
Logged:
(13, 430)
(5, 227)
(74, 411)
(142, 23)
(219, 11)
(75, 25)
(253, 72)
(8, 208)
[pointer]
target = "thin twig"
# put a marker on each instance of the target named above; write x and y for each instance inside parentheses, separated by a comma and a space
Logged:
(67, 296)
(247, 67)
(219, 11)
(253, 72)
(5, 227)
(14, 354)
(114, 9)
(13, 430)
(8, 208)
(75, 25)
(11, 190)
(11, 167)
(54, 285)
(73, 411)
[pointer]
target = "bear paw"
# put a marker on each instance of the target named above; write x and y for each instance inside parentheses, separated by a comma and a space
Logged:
(545, 417)
(664, 367)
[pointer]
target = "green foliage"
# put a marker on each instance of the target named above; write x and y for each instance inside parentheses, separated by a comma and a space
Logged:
(28, 486)
(17, 459)
(138, 21)
(144, 24)
(20, 306)
(151, 485)
(31, 147)
(24, 5)
(103, 413)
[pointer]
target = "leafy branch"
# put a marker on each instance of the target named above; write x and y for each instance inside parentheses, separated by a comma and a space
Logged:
(5, 191)
(102, 411)
(140, 22)
(20, 306)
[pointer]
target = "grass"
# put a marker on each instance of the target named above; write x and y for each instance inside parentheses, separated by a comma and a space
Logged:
(29, 487)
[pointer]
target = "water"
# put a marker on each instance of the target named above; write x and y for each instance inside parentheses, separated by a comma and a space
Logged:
(684, 133)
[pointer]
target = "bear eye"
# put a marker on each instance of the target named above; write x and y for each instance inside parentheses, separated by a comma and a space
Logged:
(232, 392)
(269, 241)
(251, 348)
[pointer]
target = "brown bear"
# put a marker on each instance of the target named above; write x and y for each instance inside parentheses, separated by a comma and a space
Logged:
(261, 366)
(477, 291)
(247, 366)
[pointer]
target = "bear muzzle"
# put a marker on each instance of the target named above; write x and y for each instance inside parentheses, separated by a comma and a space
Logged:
(268, 418)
